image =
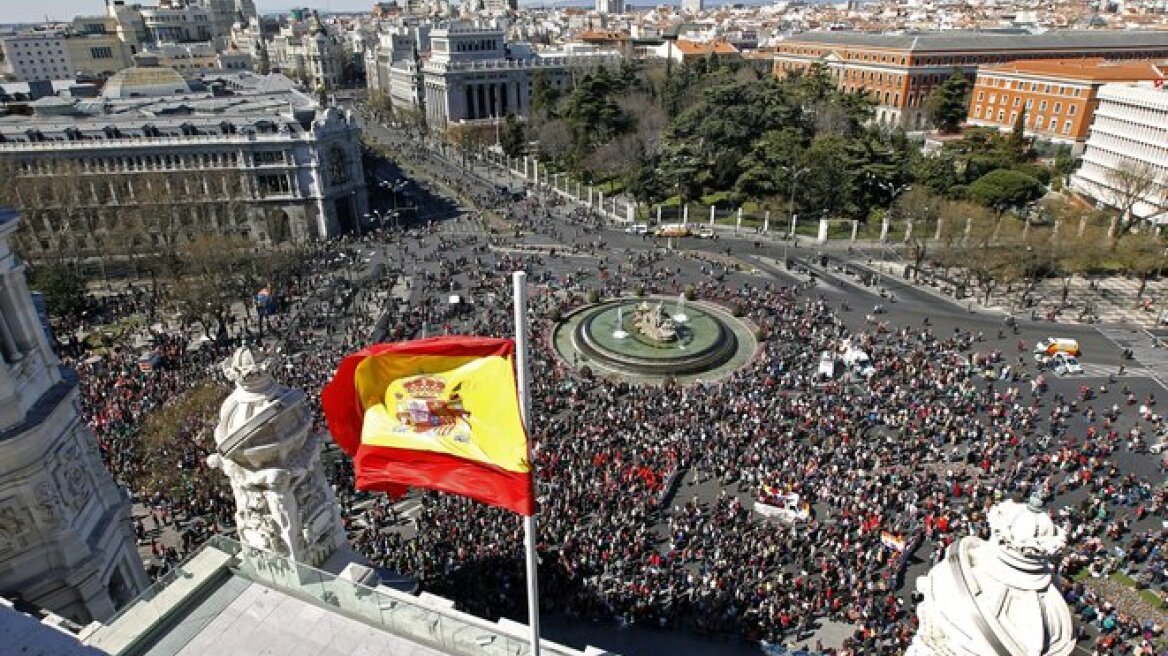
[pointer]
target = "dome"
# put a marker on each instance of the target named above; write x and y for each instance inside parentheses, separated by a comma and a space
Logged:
(145, 82)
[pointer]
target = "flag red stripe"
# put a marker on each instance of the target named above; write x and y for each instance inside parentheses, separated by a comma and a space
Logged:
(387, 469)
(342, 405)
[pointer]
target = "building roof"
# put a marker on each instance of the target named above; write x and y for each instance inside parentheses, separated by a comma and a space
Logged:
(1092, 69)
(604, 35)
(959, 41)
(145, 82)
(705, 48)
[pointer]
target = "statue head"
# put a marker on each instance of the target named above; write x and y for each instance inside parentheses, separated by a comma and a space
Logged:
(248, 371)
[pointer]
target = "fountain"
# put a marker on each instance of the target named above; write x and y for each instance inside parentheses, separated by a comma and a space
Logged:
(649, 342)
(620, 332)
(679, 315)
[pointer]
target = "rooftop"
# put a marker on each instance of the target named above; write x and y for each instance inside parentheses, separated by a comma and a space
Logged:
(1094, 69)
(965, 40)
(704, 48)
(228, 599)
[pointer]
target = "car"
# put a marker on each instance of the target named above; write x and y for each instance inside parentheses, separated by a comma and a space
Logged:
(637, 229)
(706, 233)
(1064, 364)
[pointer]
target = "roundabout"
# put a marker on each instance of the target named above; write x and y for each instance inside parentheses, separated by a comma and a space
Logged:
(650, 339)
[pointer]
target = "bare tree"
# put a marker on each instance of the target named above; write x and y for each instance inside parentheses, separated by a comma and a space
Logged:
(1129, 183)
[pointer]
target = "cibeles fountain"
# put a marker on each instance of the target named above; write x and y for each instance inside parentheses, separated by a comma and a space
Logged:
(997, 597)
(639, 339)
(264, 444)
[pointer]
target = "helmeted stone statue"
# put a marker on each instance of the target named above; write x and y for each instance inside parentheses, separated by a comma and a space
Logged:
(997, 597)
(262, 442)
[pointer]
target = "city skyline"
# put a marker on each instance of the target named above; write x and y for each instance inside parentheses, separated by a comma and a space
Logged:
(65, 10)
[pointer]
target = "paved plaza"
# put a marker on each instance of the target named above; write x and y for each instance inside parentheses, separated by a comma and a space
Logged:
(647, 493)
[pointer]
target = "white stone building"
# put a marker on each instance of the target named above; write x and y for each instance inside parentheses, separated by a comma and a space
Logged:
(66, 543)
(1130, 131)
(309, 53)
(36, 56)
(473, 75)
(610, 6)
(263, 161)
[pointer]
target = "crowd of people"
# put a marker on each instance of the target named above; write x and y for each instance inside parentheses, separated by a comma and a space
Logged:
(921, 448)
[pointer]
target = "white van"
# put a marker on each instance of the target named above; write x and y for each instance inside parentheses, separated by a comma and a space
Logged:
(637, 229)
(1064, 364)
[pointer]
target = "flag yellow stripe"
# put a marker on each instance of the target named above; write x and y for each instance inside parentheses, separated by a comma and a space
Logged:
(475, 416)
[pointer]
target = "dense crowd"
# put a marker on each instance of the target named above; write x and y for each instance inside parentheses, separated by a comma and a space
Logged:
(921, 449)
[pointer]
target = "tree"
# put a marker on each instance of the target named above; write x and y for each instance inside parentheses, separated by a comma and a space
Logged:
(543, 95)
(513, 140)
(947, 103)
(923, 209)
(1129, 183)
(1002, 189)
(1017, 141)
(63, 289)
(1142, 256)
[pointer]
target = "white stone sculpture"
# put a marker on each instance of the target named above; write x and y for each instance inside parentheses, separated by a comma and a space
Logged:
(652, 322)
(283, 501)
(997, 597)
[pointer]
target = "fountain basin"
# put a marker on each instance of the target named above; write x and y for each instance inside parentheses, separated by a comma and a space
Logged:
(704, 341)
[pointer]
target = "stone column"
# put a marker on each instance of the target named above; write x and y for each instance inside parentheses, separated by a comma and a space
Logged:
(766, 222)
(712, 215)
(738, 221)
(659, 215)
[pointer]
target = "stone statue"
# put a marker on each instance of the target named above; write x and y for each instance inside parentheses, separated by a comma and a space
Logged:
(997, 597)
(283, 502)
(652, 322)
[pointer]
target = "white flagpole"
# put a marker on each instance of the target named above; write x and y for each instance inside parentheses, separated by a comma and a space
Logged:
(519, 278)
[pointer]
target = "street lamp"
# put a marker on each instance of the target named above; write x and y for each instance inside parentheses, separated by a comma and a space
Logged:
(794, 173)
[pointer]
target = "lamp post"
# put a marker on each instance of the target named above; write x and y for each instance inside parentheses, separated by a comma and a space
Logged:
(794, 173)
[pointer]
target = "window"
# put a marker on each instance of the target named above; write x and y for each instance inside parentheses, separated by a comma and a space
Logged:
(980, 96)
(1029, 103)
(1042, 106)
(1001, 115)
(1071, 109)
(1013, 117)
(1038, 121)
(1017, 100)
(1066, 127)
(104, 52)
(1058, 107)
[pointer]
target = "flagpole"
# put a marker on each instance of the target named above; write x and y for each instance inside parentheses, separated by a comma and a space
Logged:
(519, 278)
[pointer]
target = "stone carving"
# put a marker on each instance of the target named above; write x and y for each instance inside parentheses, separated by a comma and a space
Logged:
(14, 527)
(283, 501)
(653, 322)
(50, 508)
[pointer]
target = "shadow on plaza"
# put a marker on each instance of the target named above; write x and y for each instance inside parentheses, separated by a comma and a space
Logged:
(637, 640)
(418, 205)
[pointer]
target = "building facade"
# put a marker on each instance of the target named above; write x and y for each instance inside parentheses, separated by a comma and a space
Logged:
(37, 56)
(472, 74)
(66, 541)
(276, 169)
(900, 70)
(1129, 134)
(610, 6)
(1058, 96)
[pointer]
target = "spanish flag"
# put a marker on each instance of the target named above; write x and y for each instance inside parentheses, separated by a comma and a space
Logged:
(440, 413)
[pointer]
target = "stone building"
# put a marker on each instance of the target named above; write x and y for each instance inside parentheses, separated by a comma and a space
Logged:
(66, 542)
(153, 160)
(472, 75)
(900, 70)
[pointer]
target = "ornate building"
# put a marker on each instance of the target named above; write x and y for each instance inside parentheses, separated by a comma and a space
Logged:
(66, 543)
(152, 161)
(283, 502)
(997, 597)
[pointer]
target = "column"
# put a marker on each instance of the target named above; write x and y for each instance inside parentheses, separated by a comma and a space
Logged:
(659, 215)
(713, 211)
(855, 229)
(11, 351)
(884, 228)
(940, 223)
(470, 106)
(766, 222)
(482, 91)
(685, 214)
(738, 221)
